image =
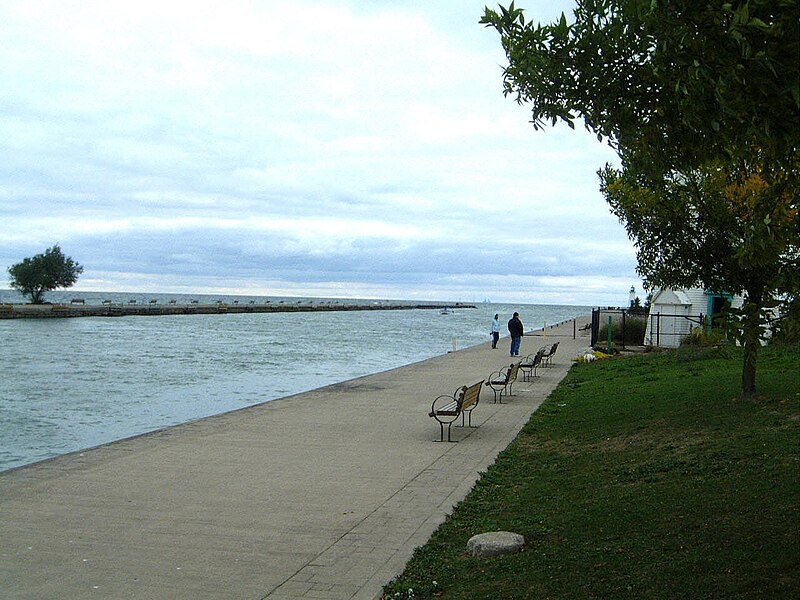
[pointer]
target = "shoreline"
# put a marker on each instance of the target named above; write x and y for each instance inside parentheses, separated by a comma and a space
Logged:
(539, 332)
(118, 378)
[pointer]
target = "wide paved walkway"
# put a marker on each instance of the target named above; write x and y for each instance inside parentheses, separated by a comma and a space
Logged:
(321, 495)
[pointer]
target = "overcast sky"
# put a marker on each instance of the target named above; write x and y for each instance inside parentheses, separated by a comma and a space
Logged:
(320, 148)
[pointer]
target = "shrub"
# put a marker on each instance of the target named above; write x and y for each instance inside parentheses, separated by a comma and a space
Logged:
(700, 337)
(634, 332)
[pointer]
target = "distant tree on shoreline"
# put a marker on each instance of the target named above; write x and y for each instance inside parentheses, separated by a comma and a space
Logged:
(43, 273)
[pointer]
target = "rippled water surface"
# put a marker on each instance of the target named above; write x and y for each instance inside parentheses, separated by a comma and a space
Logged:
(69, 384)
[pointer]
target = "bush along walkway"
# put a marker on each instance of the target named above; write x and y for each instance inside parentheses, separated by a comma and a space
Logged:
(639, 477)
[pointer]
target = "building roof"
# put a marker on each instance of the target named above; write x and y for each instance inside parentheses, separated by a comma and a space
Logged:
(670, 296)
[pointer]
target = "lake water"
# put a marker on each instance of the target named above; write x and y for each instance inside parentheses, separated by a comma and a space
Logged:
(70, 384)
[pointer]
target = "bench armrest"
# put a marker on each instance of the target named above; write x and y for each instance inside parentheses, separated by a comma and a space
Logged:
(498, 378)
(445, 408)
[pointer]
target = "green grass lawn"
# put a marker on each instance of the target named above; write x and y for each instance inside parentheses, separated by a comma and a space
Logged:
(641, 477)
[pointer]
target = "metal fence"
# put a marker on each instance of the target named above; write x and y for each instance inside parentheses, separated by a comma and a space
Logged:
(669, 329)
(619, 318)
(663, 329)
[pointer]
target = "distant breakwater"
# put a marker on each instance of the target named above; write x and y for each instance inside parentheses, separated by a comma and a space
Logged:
(77, 308)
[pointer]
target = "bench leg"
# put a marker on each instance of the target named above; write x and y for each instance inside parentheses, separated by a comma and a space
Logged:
(469, 420)
(441, 430)
(494, 391)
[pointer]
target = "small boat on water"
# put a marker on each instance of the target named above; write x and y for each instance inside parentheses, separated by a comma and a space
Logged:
(444, 311)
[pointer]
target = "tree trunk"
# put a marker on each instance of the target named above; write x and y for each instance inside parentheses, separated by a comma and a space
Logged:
(749, 369)
(751, 326)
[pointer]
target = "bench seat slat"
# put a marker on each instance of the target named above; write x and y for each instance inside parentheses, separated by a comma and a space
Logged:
(451, 410)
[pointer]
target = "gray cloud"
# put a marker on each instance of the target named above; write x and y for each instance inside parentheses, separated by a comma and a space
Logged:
(348, 149)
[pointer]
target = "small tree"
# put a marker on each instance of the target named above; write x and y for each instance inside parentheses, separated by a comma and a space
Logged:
(44, 273)
(729, 229)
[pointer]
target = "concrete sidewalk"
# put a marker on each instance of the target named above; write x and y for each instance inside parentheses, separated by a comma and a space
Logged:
(321, 495)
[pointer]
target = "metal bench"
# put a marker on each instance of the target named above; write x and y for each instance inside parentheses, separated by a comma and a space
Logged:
(446, 409)
(502, 380)
(530, 363)
(548, 354)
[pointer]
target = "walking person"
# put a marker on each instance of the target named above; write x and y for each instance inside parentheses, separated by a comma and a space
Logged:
(516, 330)
(495, 330)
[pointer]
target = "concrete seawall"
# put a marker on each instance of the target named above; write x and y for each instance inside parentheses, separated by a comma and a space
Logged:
(46, 311)
(320, 495)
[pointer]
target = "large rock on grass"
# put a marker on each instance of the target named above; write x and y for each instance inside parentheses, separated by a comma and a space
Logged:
(494, 543)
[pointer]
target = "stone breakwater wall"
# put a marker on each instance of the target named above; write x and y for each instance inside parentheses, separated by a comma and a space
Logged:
(74, 309)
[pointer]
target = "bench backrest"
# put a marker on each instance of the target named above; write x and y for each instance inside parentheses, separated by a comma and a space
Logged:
(551, 350)
(511, 375)
(470, 395)
(538, 357)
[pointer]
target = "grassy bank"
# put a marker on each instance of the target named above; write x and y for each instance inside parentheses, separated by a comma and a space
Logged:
(640, 477)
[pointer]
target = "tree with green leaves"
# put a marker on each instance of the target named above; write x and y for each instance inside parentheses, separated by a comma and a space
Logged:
(701, 101)
(728, 231)
(43, 273)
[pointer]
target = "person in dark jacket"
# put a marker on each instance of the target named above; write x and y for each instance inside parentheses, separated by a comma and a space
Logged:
(516, 330)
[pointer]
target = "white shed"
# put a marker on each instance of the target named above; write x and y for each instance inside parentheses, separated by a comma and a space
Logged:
(675, 313)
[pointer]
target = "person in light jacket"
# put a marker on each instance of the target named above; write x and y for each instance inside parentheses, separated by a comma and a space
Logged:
(495, 330)
(516, 330)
